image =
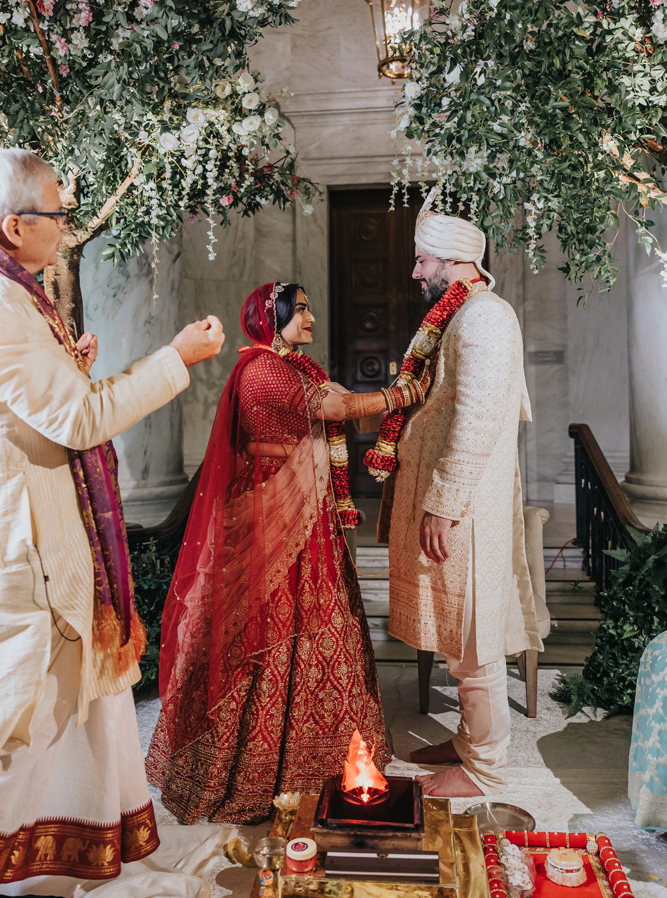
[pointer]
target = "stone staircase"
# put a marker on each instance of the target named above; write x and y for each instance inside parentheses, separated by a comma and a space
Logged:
(570, 597)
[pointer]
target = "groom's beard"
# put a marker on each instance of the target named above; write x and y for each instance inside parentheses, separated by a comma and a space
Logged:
(435, 289)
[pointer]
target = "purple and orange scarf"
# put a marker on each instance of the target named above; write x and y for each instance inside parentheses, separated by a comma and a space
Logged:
(117, 629)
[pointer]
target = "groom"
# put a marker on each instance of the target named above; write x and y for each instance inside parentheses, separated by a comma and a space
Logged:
(456, 544)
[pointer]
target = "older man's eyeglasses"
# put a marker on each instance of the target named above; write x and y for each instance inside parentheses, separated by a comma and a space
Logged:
(63, 216)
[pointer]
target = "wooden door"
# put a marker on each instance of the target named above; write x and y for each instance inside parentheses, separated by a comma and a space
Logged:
(375, 306)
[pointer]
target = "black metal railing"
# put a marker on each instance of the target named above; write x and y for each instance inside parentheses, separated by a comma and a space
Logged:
(603, 510)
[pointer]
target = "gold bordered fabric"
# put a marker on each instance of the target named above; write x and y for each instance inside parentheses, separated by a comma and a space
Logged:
(66, 847)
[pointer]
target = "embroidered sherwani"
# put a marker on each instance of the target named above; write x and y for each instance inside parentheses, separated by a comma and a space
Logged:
(458, 459)
(71, 770)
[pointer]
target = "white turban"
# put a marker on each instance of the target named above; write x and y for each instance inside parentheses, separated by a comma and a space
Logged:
(446, 237)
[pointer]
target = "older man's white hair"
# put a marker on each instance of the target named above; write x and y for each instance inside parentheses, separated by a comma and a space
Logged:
(22, 177)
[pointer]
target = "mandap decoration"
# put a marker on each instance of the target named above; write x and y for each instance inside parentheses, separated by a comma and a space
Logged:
(547, 108)
(147, 111)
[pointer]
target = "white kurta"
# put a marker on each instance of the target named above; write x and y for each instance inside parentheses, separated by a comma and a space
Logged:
(72, 785)
(458, 459)
(46, 405)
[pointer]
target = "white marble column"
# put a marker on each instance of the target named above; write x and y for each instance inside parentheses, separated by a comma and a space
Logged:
(646, 481)
(119, 308)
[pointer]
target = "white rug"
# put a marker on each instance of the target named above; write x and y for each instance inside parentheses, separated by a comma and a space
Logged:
(570, 774)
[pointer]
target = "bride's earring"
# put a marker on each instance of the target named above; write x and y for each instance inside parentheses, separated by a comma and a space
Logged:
(279, 346)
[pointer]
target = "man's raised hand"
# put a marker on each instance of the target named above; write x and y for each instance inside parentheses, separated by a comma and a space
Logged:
(199, 341)
(87, 346)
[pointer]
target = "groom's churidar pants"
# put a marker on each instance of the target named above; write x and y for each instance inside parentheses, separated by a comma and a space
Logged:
(483, 734)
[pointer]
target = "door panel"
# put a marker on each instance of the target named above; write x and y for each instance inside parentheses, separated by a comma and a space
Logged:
(375, 306)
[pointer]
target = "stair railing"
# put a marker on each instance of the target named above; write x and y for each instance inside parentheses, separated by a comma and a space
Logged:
(603, 510)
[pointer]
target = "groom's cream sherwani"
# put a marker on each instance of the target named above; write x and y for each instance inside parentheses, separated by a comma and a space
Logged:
(458, 459)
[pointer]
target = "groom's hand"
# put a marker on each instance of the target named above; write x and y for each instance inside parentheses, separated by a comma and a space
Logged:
(433, 534)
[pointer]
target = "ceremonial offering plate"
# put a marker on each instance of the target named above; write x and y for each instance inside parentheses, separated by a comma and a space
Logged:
(590, 856)
(498, 815)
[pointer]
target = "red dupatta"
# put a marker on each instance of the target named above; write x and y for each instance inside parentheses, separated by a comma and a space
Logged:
(238, 547)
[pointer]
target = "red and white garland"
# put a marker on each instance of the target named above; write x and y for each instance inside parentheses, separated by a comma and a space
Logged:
(335, 431)
(381, 460)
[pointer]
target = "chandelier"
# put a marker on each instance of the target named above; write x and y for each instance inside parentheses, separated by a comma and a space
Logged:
(390, 19)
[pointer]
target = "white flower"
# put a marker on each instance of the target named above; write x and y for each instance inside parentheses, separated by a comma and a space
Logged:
(245, 81)
(190, 134)
(143, 135)
(238, 128)
(247, 6)
(412, 90)
(455, 24)
(4, 17)
(252, 123)
(638, 35)
(19, 17)
(404, 122)
(659, 27)
(271, 116)
(445, 102)
(168, 142)
(78, 41)
(222, 89)
(608, 144)
(493, 3)
(454, 76)
(307, 209)
(141, 177)
(196, 116)
(250, 101)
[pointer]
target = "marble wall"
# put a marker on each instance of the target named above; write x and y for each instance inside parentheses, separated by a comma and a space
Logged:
(339, 117)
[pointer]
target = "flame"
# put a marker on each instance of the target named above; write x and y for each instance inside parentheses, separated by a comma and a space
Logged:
(360, 772)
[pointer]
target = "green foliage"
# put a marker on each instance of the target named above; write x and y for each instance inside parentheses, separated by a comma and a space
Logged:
(153, 88)
(634, 611)
(533, 106)
(152, 577)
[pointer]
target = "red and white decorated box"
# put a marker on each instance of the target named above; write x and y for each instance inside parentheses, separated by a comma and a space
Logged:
(604, 875)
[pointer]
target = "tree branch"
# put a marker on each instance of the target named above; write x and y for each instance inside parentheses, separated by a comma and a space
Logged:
(642, 180)
(47, 55)
(106, 210)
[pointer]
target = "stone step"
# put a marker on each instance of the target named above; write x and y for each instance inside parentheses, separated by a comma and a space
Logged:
(566, 593)
(394, 652)
(569, 559)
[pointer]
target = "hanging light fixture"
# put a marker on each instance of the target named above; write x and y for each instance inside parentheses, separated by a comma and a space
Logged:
(390, 19)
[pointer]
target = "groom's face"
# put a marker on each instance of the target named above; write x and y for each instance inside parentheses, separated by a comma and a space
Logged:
(434, 276)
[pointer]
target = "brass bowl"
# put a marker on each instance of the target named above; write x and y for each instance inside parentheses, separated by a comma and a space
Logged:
(495, 815)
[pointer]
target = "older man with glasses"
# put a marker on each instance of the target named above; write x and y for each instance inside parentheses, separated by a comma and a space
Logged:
(73, 796)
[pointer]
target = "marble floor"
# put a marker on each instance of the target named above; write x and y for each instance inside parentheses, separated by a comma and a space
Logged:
(570, 774)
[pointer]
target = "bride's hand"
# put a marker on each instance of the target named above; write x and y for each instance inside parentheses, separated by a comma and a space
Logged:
(334, 387)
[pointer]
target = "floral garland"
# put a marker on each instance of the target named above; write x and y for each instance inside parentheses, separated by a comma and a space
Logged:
(381, 460)
(335, 432)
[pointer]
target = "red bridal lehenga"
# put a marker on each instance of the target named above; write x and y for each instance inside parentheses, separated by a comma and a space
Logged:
(266, 666)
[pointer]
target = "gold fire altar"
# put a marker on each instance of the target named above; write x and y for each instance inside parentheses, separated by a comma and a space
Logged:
(455, 837)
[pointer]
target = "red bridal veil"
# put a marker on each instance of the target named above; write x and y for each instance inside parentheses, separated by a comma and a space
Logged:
(244, 533)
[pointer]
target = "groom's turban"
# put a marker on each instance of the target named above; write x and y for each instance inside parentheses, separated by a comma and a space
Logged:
(449, 238)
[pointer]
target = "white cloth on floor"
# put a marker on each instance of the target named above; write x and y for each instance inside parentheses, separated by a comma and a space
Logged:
(76, 799)
(483, 734)
(184, 866)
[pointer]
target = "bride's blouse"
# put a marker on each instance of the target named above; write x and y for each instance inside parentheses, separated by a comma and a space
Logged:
(276, 404)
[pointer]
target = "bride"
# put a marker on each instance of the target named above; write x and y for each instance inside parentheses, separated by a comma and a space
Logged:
(266, 666)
